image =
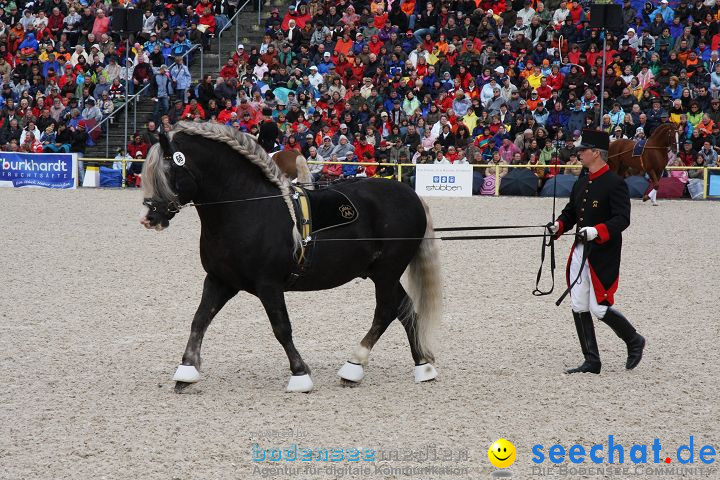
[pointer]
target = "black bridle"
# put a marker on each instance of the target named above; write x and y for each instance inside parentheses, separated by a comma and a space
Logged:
(182, 180)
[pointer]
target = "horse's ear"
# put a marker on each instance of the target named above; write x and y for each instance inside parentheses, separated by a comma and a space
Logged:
(165, 143)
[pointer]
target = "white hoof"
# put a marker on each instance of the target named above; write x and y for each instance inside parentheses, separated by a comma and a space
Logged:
(187, 374)
(300, 383)
(352, 372)
(425, 372)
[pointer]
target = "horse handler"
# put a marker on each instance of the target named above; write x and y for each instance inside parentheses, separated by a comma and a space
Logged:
(599, 208)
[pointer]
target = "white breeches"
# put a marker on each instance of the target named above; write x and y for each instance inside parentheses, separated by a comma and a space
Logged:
(582, 295)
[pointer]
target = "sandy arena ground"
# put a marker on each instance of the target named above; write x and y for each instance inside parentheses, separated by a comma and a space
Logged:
(96, 310)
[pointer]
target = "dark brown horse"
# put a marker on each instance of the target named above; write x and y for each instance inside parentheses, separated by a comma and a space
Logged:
(653, 160)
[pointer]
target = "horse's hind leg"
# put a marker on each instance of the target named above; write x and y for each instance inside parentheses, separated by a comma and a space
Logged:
(215, 295)
(424, 370)
(274, 302)
(388, 298)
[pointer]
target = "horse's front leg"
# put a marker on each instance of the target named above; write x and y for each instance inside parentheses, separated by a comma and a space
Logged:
(655, 182)
(215, 295)
(273, 299)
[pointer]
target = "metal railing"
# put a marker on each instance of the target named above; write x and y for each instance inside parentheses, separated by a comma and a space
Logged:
(134, 99)
(528, 166)
(232, 21)
(409, 166)
(499, 167)
(123, 161)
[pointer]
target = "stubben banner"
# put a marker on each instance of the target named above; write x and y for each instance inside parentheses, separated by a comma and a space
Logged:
(444, 180)
(47, 170)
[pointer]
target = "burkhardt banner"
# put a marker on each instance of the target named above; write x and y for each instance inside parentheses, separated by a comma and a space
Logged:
(444, 180)
(47, 170)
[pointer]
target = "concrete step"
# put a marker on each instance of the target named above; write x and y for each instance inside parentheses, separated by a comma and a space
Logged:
(249, 33)
(228, 39)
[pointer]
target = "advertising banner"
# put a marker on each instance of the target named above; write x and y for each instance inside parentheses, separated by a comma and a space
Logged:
(46, 170)
(444, 180)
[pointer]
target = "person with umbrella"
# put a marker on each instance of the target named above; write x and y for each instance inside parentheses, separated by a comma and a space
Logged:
(599, 209)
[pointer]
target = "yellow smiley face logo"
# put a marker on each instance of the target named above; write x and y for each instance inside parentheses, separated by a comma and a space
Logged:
(502, 453)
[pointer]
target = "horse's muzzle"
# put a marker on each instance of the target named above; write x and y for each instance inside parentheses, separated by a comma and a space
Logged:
(158, 214)
(153, 221)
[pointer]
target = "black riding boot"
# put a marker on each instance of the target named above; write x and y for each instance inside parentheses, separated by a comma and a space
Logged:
(588, 344)
(624, 329)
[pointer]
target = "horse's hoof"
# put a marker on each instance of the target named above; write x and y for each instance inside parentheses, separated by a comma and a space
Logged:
(348, 383)
(299, 383)
(352, 372)
(181, 386)
(646, 198)
(425, 372)
(186, 374)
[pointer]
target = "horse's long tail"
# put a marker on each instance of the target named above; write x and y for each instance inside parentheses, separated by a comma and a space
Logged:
(425, 291)
(304, 176)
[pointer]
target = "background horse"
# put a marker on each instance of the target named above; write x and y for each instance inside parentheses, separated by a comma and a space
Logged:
(294, 166)
(652, 161)
(255, 245)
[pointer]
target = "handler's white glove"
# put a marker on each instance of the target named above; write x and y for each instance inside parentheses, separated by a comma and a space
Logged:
(554, 227)
(591, 233)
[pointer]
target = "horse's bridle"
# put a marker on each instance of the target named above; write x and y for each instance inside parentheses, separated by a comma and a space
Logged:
(653, 147)
(183, 182)
(169, 207)
(669, 134)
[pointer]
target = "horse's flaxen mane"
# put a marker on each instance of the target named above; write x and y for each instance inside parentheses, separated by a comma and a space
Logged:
(243, 143)
(156, 172)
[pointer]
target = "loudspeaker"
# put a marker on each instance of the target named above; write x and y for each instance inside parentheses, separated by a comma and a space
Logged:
(118, 22)
(128, 20)
(135, 19)
(607, 16)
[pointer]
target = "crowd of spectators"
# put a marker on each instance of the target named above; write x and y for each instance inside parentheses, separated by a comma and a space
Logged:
(466, 81)
(64, 70)
(444, 81)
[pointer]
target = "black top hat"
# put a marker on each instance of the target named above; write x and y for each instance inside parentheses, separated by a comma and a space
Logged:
(594, 139)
